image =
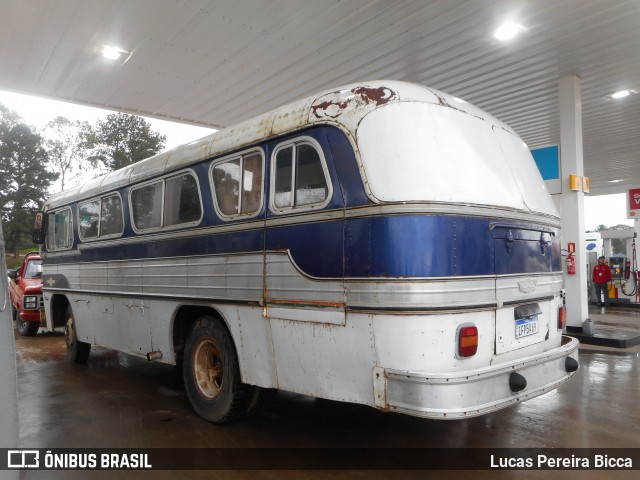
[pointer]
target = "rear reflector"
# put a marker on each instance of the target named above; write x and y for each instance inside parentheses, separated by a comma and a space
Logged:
(562, 317)
(467, 340)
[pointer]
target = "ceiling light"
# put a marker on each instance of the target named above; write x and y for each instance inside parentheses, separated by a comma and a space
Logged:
(617, 181)
(459, 100)
(508, 30)
(621, 94)
(112, 53)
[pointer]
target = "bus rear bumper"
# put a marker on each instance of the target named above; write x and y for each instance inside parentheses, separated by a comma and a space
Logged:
(475, 392)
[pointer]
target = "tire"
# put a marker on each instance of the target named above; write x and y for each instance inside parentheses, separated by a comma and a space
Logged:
(26, 329)
(77, 351)
(212, 374)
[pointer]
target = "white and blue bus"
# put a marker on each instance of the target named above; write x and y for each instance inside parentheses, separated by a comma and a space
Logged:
(382, 243)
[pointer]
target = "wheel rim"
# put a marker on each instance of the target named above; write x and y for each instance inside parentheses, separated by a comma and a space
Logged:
(207, 369)
(70, 333)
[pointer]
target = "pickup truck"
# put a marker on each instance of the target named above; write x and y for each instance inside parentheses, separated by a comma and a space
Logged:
(25, 287)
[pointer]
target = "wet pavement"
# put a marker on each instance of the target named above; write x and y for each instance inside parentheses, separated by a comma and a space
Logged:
(118, 401)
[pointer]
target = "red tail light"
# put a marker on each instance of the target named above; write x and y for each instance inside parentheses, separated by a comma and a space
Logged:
(562, 317)
(467, 340)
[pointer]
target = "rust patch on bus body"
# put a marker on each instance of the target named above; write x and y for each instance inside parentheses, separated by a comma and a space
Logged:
(334, 104)
(329, 108)
(378, 96)
(306, 303)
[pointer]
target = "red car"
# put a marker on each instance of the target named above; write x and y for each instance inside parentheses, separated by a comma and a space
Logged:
(26, 294)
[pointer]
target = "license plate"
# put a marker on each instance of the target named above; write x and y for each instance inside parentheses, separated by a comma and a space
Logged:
(527, 326)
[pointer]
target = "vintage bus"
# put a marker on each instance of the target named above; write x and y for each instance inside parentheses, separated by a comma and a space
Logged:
(382, 243)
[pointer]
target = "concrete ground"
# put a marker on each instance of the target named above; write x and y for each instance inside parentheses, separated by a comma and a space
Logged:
(118, 401)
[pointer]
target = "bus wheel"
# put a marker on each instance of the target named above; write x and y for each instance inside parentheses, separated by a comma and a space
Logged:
(212, 374)
(27, 329)
(77, 351)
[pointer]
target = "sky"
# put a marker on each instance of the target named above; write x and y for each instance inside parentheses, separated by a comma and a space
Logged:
(608, 210)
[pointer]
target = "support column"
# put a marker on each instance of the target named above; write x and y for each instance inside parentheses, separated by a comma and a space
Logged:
(8, 392)
(572, 211)
(608, 249)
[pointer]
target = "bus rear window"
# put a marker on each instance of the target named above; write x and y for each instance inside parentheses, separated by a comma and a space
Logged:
(432, 153)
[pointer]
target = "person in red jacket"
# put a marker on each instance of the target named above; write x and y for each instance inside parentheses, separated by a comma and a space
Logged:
(602, 276)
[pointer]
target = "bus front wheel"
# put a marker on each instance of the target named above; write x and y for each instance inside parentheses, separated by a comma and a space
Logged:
(212, 374)
(77, 351)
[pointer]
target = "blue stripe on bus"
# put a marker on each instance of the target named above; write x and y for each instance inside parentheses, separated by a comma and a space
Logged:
(442, 246)
(394, 246)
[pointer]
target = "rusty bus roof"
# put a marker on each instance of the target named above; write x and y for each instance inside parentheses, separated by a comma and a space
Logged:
(344, 107)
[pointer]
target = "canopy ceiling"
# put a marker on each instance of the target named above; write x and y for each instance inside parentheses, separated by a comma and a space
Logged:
(215, 63)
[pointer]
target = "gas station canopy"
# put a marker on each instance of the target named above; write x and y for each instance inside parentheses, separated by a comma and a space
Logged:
(216, 63)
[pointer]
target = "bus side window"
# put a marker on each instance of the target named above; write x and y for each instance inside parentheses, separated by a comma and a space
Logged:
(237, 185)
(226, 181)
(146, 205)
(311, 185)
(111, 217)
(59, 236)
(284, 167)
(182, 200)
(167, 202)
(89, 218)
(301, 178)
(251, 184)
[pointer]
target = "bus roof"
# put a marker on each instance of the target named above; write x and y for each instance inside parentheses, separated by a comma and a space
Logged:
(344, 107)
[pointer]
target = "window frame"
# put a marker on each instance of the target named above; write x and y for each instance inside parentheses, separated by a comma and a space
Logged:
(70, 230)
(239, 155)
(163, 181)
(101, 237)
(305, 139)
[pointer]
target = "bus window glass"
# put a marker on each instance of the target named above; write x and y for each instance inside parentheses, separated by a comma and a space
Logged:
(226, 183)
(251, 184)
(59, 236)
(89, 219)
(146, 206)
(284, 165)
(311, 184)
(182, 200)
(111, 221)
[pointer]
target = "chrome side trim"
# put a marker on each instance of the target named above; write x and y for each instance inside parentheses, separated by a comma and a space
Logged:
(433, 208)
(241, 277)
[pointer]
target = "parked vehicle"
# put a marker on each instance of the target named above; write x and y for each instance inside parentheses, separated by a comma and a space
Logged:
(381, 243)
(26, 295)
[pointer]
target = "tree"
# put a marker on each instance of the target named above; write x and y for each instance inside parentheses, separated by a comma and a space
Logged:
(25, 179)
(123, 139)
(67, 148)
